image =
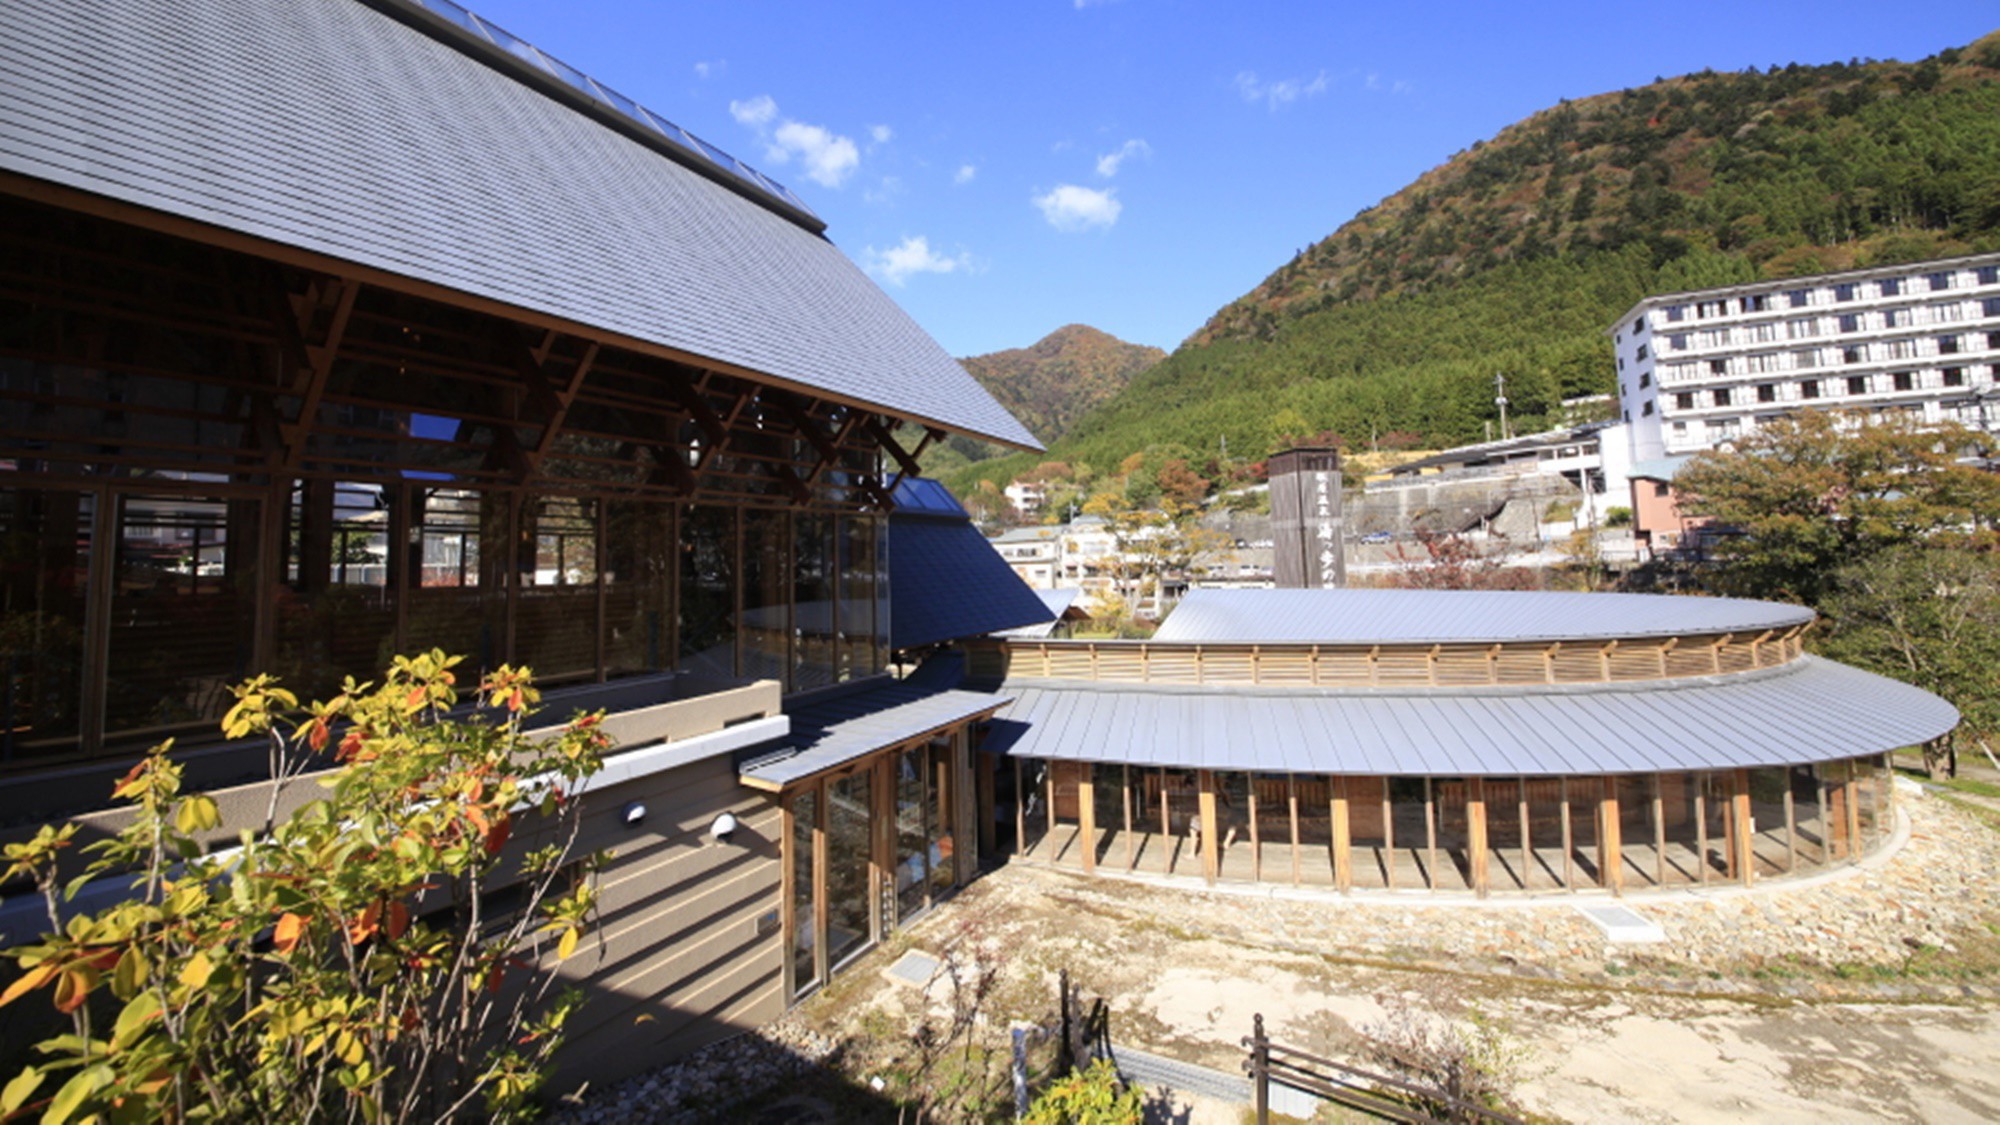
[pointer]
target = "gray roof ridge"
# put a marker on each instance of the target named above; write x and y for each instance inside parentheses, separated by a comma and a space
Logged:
(1315, 691)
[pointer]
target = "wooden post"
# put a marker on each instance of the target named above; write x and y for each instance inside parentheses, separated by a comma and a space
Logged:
(1167, 841)
(1701, 828)
(1745, 827)
(1343, 837)
(1131, 848)
(1475, 832)
(1086, 813)
(1430, 836)
(1852, 791)
(1569, 841)
(1020, 811)
(1610, 848)
(1659, 834)
(1256, 843)
(984, 769)
(1292, 801)
(822, 931)
(1791, 828)
(1527, 839)
(1388, 838)
(1211, 856)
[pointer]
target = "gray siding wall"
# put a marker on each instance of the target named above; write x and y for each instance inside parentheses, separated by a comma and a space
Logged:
(687, 932)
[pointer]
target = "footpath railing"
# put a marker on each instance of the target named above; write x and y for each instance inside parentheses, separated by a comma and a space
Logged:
(1363, 1090)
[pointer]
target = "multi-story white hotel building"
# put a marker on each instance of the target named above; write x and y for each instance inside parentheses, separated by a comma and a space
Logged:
(1702, 368)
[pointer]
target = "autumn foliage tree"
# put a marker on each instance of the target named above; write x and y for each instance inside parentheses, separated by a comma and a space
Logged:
(348, 962)
(1811, 492)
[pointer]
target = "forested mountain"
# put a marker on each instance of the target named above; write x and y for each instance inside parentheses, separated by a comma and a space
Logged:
(1513, 256)
(1051, 382)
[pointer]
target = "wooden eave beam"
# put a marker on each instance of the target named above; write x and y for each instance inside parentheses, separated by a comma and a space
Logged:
(903, 458)
(315, 357)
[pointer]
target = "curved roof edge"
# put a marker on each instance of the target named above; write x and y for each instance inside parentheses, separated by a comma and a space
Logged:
(1458, 616)
(1812, 710)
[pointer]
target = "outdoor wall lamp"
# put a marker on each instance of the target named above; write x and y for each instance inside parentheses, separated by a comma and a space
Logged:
(724, 827)
(635, 812)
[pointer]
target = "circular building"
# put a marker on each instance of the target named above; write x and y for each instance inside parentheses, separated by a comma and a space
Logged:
(1451, 741)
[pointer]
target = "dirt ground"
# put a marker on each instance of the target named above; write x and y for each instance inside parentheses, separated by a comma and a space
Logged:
(1578, 1034)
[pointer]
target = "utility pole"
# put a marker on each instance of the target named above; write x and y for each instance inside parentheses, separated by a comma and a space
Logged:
(1500, 400)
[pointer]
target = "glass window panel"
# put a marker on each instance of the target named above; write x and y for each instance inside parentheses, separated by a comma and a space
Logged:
(1315, 794)
(858, 653)
(708, 590)
(1065, 813)
(555, 617)
(338, 617)
(44, 572)
(848, 858)
(458, 587)
(814, 609)
(939, 798)
(1183, 802)
(183, 611)
(1232, 822)
(639, 564)
(767, 589)
(913, 858)
(805, 923)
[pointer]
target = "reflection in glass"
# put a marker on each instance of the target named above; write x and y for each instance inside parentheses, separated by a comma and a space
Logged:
(813, 606)
(555, 616)
(338, 617)
(639, 563)
(708, 590)
(913, 855)
(848, 858)
(458, 590)
(767, 624)
(938, 799)
(859, 654)
(182, 611)
(44, 563)
(805, 817)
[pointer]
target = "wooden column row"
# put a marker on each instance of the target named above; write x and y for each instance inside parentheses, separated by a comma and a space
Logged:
(1737, 857)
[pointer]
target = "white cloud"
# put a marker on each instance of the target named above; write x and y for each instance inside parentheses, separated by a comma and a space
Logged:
(912, 256)
(887, 189)
(1280, 93)
(965, 174)
(1107, 165)
(710, 68)
(881, 134)
(828, 157)
(1082, 4)
(1071, 208)
(756, 113)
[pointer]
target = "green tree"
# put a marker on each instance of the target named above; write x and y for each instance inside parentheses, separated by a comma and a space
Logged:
(1814, 491)
(1928, 616)
(346, 963)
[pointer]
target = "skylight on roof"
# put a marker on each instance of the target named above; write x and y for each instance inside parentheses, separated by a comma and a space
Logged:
(486, 31)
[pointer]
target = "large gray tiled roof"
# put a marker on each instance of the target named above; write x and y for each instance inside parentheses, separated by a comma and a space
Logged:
(946, 582)
(328, 126)
(1806, 711)
(1457, 616)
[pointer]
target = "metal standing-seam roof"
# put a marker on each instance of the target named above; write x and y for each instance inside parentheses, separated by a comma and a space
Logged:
(1805, 711)
(945, 581)
(331, 127)
(830, 733)
(1457, 616)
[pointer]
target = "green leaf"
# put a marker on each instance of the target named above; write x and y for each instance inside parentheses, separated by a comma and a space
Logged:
(75, 1092)
(15, 1094)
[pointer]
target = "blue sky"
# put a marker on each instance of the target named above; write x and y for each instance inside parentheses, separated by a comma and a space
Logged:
(1007, 167)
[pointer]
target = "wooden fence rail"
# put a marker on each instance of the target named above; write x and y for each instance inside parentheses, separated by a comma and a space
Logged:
(1350, 1086)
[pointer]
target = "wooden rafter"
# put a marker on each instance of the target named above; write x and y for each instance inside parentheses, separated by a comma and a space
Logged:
(311, 334)
(904, 460)
(556, 400)
(828, 452)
